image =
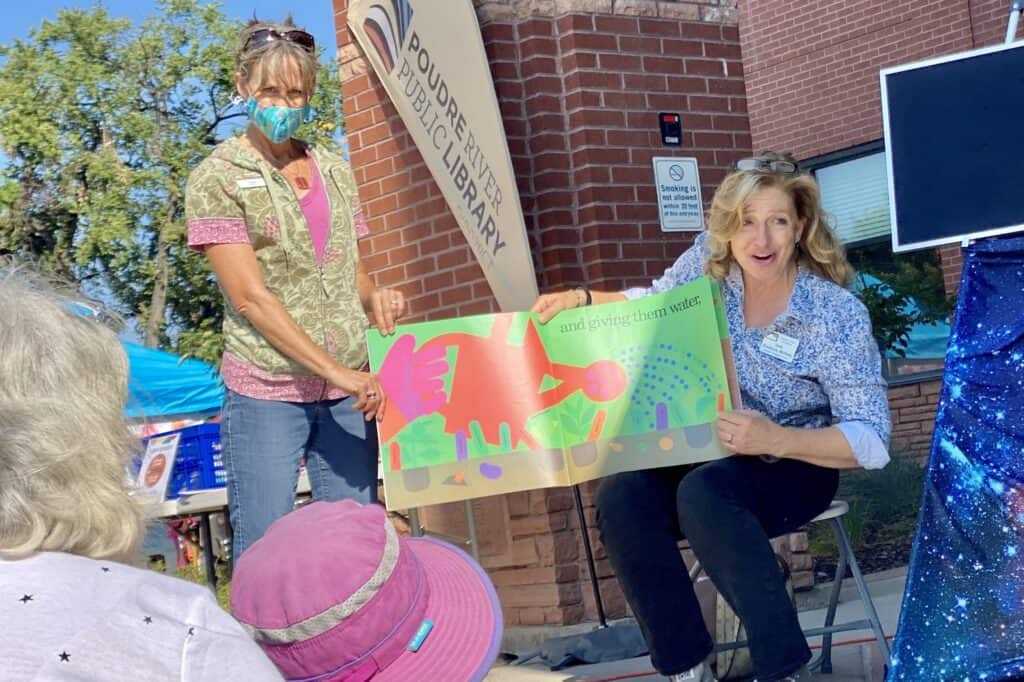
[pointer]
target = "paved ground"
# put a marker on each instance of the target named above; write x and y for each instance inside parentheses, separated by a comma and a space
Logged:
(855, 655)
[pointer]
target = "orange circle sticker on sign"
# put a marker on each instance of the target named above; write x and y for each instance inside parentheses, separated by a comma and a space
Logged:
(155, 470)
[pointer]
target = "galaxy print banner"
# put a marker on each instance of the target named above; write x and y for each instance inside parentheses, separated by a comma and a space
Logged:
(963, 609)
(493, 404)
(430, 58)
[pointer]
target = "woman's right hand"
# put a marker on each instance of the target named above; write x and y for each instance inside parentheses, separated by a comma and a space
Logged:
(366, 389)
(549, 305)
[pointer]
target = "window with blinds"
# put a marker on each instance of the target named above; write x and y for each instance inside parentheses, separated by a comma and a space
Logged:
(856, 195)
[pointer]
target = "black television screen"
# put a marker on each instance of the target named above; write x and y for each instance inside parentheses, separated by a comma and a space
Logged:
(954, 139)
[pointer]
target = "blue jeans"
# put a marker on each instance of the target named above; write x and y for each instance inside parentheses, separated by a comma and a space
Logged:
(263, 442)
(727, 509)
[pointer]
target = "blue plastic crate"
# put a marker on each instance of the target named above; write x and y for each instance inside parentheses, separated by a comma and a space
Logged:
(198, 464)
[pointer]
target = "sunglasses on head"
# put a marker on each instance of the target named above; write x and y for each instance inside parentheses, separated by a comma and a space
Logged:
(264, 36)
(766, 166)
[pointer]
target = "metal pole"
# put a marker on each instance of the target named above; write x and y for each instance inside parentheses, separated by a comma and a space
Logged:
(474, 547)
(590, 557)
(1016, 7)
(206, 541)
(415, 529)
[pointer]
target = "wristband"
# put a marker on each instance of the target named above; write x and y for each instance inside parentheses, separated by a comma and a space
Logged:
(586, 292)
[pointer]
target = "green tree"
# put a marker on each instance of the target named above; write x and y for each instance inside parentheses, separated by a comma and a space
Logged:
(910, 290)
(101, 122)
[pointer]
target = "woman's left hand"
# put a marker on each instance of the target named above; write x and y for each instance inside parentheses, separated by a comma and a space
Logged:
(748, 432)
(549, 305)
(387, 305)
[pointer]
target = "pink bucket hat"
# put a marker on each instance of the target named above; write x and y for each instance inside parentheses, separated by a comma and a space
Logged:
(334, 592)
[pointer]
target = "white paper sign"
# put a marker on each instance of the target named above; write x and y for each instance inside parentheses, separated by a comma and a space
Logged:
(678, 183)
(157, 465)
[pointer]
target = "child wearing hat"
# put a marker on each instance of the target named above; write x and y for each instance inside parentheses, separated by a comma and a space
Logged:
(333, 592)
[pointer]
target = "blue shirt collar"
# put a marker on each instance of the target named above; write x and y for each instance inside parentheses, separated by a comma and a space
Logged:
(801, 301)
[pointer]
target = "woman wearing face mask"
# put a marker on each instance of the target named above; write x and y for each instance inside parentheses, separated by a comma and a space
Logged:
(278, 219)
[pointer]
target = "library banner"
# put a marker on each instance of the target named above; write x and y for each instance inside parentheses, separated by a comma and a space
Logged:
(492, 404)
(431, 62)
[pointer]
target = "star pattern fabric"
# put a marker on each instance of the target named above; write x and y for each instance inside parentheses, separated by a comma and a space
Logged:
(81, 619)
(963, 608)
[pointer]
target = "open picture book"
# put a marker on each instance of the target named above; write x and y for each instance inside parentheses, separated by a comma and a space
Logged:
(499, 403)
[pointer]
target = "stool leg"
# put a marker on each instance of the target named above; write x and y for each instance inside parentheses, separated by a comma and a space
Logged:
(833, 600)
(865, 596)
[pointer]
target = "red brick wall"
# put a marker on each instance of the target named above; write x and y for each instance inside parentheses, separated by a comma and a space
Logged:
(812, 67)
(579, 94)
(414, 242)
(600, 133)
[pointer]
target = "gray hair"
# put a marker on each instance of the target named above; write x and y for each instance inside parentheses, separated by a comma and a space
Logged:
(262, 65)
(64, 441)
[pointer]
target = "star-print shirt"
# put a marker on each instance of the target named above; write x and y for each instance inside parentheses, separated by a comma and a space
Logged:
(67, 617)
(835, 372)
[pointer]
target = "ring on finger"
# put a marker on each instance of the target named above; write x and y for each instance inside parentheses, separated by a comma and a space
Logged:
(371, 394)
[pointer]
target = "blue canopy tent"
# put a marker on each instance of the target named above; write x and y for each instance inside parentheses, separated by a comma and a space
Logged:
(164, 387)
(162, 384)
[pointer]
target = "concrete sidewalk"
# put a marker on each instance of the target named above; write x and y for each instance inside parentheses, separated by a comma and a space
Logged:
(855, 655)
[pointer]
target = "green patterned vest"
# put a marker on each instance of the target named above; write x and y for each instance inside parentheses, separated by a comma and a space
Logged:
(234, 183)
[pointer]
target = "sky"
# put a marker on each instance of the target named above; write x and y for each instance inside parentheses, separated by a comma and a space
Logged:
(317, 16)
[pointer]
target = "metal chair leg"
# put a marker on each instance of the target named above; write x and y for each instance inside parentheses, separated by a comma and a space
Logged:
(824, 662)
(865, 596)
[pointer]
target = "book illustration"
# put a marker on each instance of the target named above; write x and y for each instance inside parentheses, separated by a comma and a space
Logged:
(494, 403)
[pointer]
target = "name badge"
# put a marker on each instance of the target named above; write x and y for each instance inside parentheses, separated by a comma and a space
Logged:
(780, 346)
(250, 183)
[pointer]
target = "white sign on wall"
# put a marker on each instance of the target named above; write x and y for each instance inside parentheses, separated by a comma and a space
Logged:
(678, 183)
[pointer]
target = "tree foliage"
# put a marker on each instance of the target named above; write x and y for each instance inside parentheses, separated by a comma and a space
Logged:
(101, 122)
(910, 292)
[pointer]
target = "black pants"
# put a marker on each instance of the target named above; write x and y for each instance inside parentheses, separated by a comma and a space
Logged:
(727, 509)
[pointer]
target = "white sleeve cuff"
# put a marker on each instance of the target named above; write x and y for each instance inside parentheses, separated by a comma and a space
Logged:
(867, 447)
(635, 293)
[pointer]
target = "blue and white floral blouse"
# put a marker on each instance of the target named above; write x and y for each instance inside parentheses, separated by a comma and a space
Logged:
(836, 369)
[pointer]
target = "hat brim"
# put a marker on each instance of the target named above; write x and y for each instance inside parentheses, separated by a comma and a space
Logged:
(466, 614)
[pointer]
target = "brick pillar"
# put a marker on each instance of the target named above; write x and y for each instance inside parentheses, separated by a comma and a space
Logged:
(913, 408)
(952, 262)
(580, 84)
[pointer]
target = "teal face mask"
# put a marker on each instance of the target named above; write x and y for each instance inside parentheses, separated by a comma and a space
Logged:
(277, 123)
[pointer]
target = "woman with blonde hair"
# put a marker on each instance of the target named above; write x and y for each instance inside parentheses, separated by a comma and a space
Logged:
(71, 608)
(278, 219)
(814, 402)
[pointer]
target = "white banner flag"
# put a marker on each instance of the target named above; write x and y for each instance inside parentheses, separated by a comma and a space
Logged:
(432, 64)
